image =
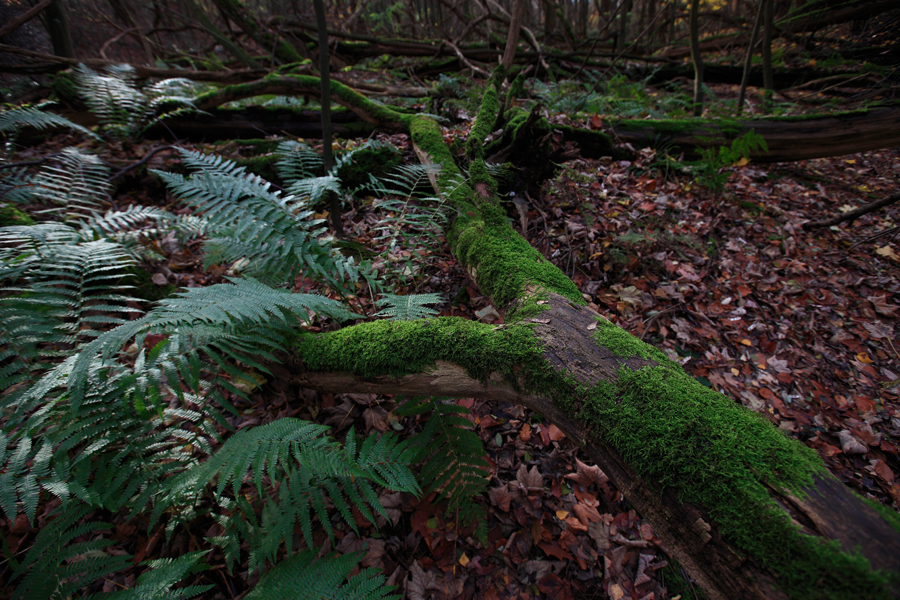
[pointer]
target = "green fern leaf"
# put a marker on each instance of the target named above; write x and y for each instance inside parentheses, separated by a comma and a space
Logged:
(57, 566)
(14, 119)
(408, 308)
(163, 574)
(303, 577)
(453, 458)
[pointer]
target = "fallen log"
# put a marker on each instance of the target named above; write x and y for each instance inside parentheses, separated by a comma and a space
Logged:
(787, 138)
(749, 512)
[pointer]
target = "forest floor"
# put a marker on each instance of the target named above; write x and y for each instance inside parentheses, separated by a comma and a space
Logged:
(798, 326)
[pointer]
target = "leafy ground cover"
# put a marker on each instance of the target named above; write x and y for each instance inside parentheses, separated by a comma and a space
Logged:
(799, 326)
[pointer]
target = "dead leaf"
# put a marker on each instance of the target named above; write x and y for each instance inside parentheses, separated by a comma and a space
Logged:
(849, 444)
(882, 307)
(532, 480)
(879, 330)
(883, 470)
(555, 433)
(417, 587)
(587, 474)
(500, 497)
(887, 252)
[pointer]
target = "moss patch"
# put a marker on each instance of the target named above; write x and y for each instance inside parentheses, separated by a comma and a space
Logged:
(11, 216)
(400, 348)
(484, 123)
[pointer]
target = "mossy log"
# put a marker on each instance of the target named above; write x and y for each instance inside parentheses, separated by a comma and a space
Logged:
(787, 138)
(750, 512)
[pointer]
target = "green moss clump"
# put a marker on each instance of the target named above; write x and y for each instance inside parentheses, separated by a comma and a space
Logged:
(10, 216)
(516, 89)
(399, 348)
(377, 159)
(724, 458)
(484, 123)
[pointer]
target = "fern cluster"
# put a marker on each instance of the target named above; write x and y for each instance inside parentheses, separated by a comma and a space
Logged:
(108, 409)
(126, 111)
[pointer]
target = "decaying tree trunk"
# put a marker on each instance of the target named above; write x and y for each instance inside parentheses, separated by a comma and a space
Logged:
(749, 512)
(787, 138)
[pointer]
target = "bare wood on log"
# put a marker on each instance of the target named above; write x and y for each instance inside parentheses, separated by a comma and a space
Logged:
(854, 214)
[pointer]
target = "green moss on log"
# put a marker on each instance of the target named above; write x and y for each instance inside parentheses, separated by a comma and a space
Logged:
(725, 458)
(11, 216)
(484, 123)
(399, 348)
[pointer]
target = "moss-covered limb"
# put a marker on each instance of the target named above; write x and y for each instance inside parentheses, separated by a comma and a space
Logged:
(237, 12)
(484, 123)
(718, 482)
(787, 138)
(373, 112)
(712, 477)
(502, 263)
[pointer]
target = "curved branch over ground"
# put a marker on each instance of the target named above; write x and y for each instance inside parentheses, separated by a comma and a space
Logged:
(749, 512)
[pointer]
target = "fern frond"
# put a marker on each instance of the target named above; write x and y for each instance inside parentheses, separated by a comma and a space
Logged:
(303, 577)
(14, 119)
(79, 184)
(279, 229)
(408, 308)
(299, 161)
(453, 457)
(163, 574)
(312, 190)
(56, 566)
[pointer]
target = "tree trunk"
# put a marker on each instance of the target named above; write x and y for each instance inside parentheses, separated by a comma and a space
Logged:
(325, 99)
(57, 19)
(768, 34)
(271, 44)
(696, 58)
(742, 507)
(787, 138)
(749, 58)
(512, 40)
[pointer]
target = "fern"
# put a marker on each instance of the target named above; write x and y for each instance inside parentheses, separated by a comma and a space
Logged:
(299, 161)
(408, 308)
(64, 292)
(79, 184)
(276, 236)
(158, 581)
(308, 469)
(125, 111)
(453, 458)
(303, 577)
(14, 119)
(56, 566)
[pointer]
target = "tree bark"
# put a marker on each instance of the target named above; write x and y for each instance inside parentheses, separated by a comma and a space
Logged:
(741, 506)
(749, 58)
(26, 16)
(696, 58)
(515, 22)
(768, 35)
(57, 20)
(271, 44)
(325, 99)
